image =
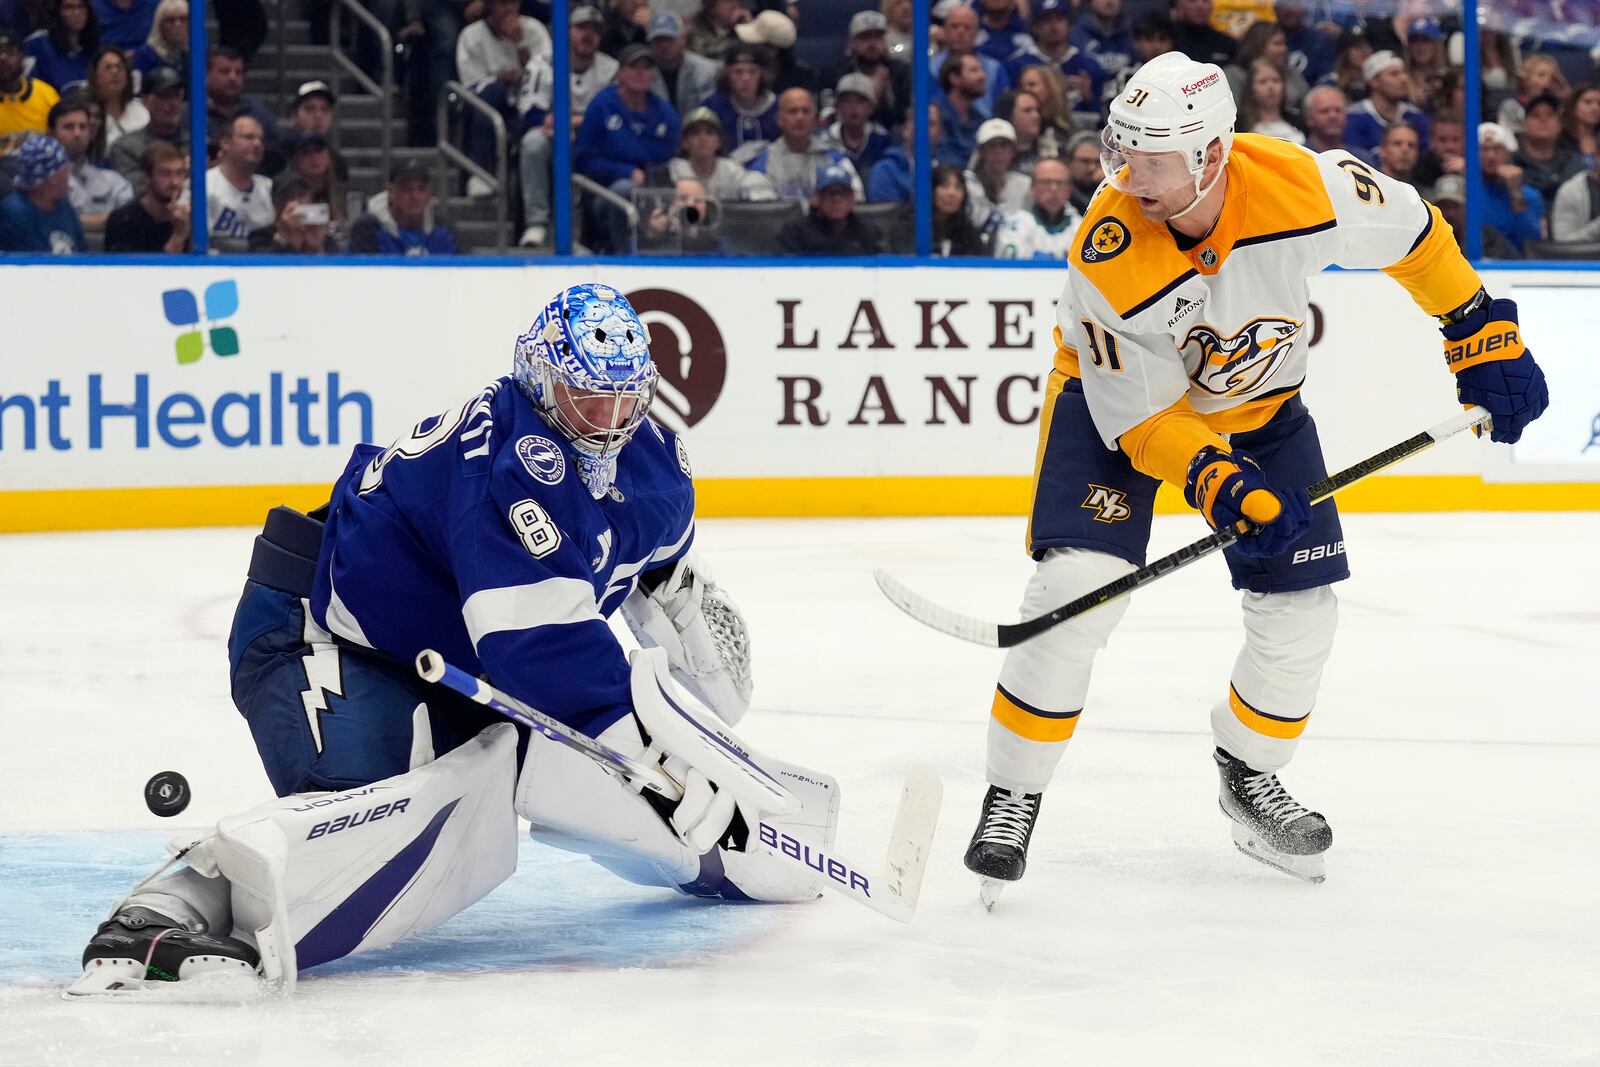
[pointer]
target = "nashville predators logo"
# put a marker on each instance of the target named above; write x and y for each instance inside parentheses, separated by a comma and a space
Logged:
(1110, 505)
(1234, 366)
(1107, 238)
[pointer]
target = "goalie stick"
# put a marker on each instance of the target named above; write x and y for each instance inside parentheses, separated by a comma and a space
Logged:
(1005, 635)
(893, 892)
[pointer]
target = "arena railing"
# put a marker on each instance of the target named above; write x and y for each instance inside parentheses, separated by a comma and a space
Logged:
(454, 95)
(382, 88)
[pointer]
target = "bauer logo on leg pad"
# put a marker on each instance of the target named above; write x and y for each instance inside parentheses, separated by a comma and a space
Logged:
(814, 858)
(350, 822)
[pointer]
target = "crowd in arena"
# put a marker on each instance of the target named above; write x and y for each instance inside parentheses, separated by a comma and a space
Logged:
(701, 128)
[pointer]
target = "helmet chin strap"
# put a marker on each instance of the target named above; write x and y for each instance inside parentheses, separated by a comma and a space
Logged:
(1199, 193)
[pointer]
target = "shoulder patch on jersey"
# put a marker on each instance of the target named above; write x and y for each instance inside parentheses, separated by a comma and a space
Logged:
(543, 459)
(683, 460)
(1105, 239)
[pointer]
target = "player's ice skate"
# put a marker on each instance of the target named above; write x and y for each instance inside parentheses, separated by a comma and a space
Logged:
(137, 949)
(1270, 825)
(998, 853)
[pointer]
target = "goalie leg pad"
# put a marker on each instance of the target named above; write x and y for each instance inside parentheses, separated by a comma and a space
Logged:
(705, 637)
(317, 877)
(1288, 638)
(1044, 681)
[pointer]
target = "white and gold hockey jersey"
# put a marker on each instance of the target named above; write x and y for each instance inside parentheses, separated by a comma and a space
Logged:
(1176, 347)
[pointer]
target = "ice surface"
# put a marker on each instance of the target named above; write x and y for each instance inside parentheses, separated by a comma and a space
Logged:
(1456, 751)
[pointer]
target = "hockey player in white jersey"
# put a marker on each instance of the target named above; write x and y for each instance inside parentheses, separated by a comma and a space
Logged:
(1181, 350)
(1046, 229)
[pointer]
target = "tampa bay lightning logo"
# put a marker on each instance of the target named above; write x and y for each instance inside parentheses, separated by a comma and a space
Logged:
(1242, 363)
(543, 459)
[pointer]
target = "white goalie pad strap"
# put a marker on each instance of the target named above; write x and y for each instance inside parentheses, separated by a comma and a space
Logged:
(705, 637)
(320, 876)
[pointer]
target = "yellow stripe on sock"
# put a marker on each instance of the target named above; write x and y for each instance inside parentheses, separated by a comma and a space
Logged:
(1270, 725)
(1030, 723)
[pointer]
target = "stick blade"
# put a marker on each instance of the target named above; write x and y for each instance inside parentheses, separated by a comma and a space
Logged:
(941, 618)
(911, 840)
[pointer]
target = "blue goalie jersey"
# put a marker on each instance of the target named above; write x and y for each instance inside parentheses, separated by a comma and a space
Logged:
(475, 536)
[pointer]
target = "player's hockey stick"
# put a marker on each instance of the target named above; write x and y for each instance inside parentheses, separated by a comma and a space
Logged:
(1004, 635)
(893, 893)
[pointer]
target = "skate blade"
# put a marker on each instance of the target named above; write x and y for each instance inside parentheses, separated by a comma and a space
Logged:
(203, 980)
(1306, 868)
(989, 890)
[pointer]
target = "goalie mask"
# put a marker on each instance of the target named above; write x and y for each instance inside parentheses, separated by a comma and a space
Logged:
(585, 365)
(1161, 126)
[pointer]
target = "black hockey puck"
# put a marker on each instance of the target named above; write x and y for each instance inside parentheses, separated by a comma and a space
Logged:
(166, 794)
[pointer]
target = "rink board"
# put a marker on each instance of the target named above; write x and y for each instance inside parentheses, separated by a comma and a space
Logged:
(200, 395)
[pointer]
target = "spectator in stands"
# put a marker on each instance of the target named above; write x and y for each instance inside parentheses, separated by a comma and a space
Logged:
(1051, 47)
(1001, 31)
(1102, 34)
(746, 104)
(1538, 75)
(311, 160)
(1327, 112)
(953, 231)
(682, 76)
(891, 180)
(125, 23)
(1575, 215)
(226, 100)
(1447, 149)
(491, 55)
(158, 219)
(168, 43)
(897, 38)
(1266, 41)
(25, 102)
(1049, 86)
(1348, 62)
(687, 226)
(589, 71)
(864, 141)
(1398, 153)
(832, 228)
(1310, 50)
(1262, 108)
(93, 191)
(313, 115)
(1194, 36)
(36, 216)
(1546, 163)
(1580, 123)
(1425, 61)
(1045, 230)
(238, 198)
(1510, 205)
(866, 52)
(111, 86)
(993, 188)
(399, 220)
(626, 130)
(697, 158)
(1387, 103)
(960, 39)
(61, 51)
(711, 35)
(163, 100)
(626, 23)
(1021, 109)
(1498, 60)
(1450, 197)
(301, 225)
(961, 108)
(772, 34)
(1083, 169)
(790, 164)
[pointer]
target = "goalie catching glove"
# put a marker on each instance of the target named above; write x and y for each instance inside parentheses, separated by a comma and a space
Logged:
(1229, 489)
(681, 610)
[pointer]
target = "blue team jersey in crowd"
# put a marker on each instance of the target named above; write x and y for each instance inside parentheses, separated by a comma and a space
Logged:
(475, 536)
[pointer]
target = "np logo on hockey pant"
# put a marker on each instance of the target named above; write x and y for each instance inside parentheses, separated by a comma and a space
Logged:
(1109, 505)
(1236, 365)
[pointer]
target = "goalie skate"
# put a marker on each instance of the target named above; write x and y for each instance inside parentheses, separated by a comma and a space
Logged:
(138, 949)
(1269, 825)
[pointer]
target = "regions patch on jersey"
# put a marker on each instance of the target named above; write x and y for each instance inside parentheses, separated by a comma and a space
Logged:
(1107, 238)
(683, 460)
(543, 459)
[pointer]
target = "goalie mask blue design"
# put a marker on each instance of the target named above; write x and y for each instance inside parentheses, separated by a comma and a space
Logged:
(585, 365)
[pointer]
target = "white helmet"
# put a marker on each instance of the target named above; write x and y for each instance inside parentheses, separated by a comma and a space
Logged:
(1171, 104)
